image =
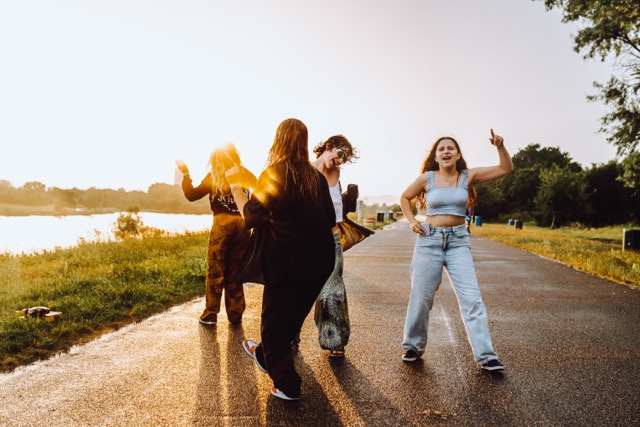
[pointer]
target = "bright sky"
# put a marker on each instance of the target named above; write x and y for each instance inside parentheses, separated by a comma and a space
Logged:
(108, 93)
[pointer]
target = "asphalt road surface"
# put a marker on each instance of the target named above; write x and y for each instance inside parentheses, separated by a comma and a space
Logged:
(570, 342)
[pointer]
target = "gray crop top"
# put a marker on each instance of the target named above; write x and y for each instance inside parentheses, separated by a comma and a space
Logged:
(447, 201)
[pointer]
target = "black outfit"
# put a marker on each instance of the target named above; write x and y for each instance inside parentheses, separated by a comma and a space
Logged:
(296, 262)
(228, 240)
(220, 203)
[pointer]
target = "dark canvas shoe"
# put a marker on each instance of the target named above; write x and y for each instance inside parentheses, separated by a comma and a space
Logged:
(410, 356)
(211, 319)
(277, 393)
(336, 353)
(250, 348)
(492, 365)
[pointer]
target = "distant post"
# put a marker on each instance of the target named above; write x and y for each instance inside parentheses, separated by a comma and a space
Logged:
(630, 239)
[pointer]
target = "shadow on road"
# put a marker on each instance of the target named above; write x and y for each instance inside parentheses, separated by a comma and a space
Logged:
(223, 389)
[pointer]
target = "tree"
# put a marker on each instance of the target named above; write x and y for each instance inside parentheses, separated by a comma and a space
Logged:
(607, 198)
(490, 201)
(631, 176)
(561, 196)
(611, 28)
(520, 187)
(535, 156)
(631, 180)
(35, 193)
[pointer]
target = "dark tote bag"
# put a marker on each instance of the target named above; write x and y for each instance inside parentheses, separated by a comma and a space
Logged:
(253, 270)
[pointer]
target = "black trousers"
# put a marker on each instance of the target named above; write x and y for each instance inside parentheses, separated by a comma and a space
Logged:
(284, 309)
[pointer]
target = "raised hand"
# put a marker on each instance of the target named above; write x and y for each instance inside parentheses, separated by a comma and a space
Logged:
(496, 140)
(182, 166)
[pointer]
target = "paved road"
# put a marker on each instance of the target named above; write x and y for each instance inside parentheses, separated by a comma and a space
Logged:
(570, 341)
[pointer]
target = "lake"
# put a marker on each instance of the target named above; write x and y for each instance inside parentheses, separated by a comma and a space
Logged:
(27, 234)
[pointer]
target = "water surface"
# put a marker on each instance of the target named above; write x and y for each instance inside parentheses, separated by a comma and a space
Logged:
(20, 234)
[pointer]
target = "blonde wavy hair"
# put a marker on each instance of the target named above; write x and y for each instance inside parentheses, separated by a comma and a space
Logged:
(222, 159)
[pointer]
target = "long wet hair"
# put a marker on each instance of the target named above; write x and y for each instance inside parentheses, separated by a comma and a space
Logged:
(339, 141)
(430, 164)
(222, 159)
(290, 148)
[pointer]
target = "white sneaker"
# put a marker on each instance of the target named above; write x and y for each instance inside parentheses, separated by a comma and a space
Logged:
(277, 393)
(250, 348)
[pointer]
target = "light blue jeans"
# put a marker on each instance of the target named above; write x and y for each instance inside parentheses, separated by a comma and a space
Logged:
(450, 248)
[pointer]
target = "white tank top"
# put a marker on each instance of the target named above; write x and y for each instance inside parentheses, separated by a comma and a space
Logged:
(336, 198)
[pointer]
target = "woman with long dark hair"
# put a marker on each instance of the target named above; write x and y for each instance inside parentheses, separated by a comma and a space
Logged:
(443, 242)
(292, 213)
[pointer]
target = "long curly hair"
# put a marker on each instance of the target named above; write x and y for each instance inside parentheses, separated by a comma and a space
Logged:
(221, 159)
(339, 141)
(290, 147)
(430, 164)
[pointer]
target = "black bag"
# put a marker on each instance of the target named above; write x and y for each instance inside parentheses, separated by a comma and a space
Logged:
(253, 270)
(350, 199)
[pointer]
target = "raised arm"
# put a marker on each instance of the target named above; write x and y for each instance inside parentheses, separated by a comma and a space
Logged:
(489, 173)
(190, 192)
(415, 188)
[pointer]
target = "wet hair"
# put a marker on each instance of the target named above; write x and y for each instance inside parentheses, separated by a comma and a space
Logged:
(339, 141)
(290, 147)
(221, 159)
(430, 164)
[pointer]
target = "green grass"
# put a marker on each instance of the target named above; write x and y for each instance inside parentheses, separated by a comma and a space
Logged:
(597, 250)
(97, 286)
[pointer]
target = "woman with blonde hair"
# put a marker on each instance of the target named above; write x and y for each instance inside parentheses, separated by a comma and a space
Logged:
(228, 237)
(443, 189)
(292, 216)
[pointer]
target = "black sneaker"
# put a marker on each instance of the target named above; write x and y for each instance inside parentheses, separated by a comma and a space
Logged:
(410, 356)
(208, 320)
(492, 365)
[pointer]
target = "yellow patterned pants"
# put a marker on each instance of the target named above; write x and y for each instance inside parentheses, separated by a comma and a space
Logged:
(228, 241)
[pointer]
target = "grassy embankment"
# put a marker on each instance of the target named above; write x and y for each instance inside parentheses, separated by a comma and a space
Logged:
(597, 250)
(98, 287)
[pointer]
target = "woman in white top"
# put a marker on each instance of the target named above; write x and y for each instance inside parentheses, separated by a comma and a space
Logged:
(331, 313)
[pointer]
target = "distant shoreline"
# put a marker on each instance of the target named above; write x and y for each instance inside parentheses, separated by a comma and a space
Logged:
(9, 209)
(14, 209)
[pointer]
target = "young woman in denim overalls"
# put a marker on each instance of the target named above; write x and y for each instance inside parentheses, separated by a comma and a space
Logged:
(443, 241)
